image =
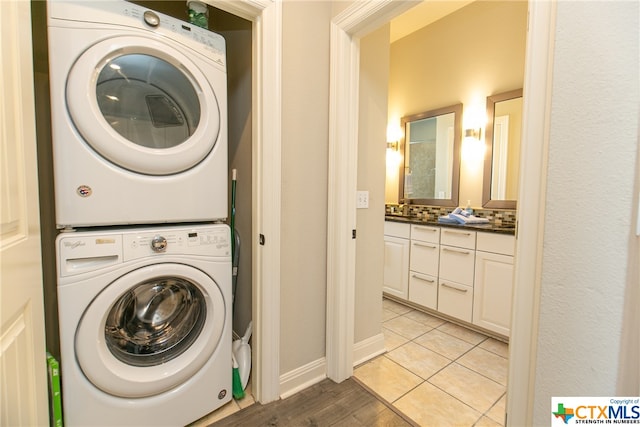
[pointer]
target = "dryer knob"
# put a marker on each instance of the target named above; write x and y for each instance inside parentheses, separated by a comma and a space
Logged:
(151, 18)
(159, 244)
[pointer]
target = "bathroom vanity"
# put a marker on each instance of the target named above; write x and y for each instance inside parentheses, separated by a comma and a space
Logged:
(462, 272)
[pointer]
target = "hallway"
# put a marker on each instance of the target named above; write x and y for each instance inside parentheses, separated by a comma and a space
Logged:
(436, 372)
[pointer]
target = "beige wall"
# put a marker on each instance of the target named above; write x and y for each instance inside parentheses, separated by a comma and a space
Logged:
(339, 6)
(374, 75)
(305, 123)
(464, 57)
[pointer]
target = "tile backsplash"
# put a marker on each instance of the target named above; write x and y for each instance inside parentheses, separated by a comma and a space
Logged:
(504, 217)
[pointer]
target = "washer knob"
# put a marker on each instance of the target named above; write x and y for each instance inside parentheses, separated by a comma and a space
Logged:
(151, 18)
(159, 244)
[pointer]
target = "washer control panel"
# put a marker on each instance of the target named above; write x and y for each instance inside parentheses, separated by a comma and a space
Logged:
(83, 251)
(208, 241)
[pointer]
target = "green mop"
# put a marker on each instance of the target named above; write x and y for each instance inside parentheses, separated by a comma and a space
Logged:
(238, 391)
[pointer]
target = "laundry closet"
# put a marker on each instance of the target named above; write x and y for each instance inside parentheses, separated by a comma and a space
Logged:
(137, 163)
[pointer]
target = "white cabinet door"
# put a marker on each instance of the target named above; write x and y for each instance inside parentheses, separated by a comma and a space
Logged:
(396, 266)
(493, 292)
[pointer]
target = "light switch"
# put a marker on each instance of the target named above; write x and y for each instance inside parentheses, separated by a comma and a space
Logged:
(362, 199)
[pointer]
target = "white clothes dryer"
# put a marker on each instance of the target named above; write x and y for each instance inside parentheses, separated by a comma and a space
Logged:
(139, 116)
(145, 324)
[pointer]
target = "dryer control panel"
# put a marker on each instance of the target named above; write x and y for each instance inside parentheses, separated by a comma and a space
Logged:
(101, 14)
(212, 42)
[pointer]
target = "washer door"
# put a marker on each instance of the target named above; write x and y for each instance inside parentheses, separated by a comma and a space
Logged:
(150, 330)
(143, 105)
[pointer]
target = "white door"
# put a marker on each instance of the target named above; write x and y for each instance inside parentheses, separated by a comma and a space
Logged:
(23, 377)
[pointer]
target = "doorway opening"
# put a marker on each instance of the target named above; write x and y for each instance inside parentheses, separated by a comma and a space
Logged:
(347, 29)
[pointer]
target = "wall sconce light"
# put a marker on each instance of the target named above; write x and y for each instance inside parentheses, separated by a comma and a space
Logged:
(393, 157)
(472, 133)
(473, 149)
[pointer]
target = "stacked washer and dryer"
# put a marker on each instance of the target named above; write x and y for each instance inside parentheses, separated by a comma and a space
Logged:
(139, 114)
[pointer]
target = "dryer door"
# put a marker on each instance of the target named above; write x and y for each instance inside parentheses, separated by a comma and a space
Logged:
(143, 105)
(150, 330)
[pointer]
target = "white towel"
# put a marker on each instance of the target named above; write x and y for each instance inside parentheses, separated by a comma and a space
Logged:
(464, 217)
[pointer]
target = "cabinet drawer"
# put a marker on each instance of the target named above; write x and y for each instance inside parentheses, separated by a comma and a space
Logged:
(424, 257)
(425, 233)
(455, 299)
(423, 290)
(397, 229)
(496, 243)
(457, 264)
(459, 238)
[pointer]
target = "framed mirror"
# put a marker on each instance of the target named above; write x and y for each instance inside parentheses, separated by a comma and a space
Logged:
(430, 173)
(502, 158)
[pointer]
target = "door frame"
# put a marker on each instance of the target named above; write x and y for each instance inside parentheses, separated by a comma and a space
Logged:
(266, 18)
(346, 30)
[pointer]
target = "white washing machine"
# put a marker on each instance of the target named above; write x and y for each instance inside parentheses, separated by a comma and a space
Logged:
(139, 116)
(145, 324)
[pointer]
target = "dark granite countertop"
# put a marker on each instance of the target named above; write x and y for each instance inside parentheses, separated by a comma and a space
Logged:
(491, 228)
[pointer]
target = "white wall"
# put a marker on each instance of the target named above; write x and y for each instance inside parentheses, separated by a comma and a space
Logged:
(590, 200)
(305, 122)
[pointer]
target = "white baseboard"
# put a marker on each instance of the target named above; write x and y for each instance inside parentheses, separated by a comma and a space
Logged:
(302, 377)
(314, 372)
(368, 349)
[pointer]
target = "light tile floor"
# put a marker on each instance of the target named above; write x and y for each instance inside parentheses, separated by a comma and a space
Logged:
(436, 372)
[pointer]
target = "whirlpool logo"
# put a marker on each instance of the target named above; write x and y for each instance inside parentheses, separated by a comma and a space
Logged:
(595, 410)
(74, 244)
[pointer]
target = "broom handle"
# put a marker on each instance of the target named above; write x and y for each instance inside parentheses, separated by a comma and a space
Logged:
(234, 174)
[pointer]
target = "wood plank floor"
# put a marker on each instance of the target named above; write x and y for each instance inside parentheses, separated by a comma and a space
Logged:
(324, 404)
